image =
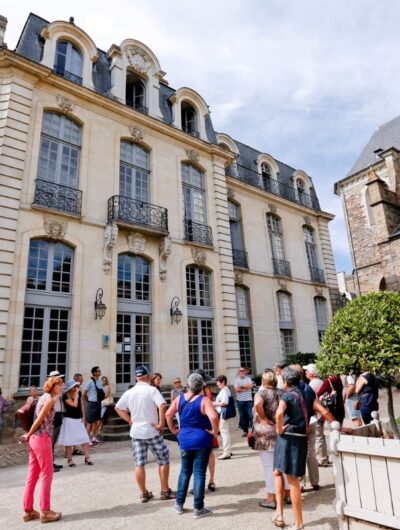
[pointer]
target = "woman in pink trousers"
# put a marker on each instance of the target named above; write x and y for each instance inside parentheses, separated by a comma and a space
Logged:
(39, 439)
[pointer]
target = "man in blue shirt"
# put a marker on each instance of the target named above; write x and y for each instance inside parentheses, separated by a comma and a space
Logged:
(93, 395)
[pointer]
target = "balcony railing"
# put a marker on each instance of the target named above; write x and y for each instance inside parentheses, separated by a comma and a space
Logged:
(136, 106)
(239, 258)
(68, 75)
(58, 197)
(190, 131)
(198, 233)
(134, 212)
(281, 267)
(317, 275)
(271, 185)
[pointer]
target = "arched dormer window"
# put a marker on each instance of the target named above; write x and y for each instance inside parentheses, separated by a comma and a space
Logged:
(189, 119)
(136, 92)
(68, 61)
(267, 174)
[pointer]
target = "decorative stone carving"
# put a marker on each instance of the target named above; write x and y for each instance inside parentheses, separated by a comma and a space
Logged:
(138, 59)
(110, 240)
(238, 277)
(231, 194)
(55, 229)
(136, 242)
(66, 104)
(136, 133)
(45, 34)
(199, 256)
(282, 285)
(319, 291)
(272, 208)
(192, 155)
(165, 252)
(307, 220)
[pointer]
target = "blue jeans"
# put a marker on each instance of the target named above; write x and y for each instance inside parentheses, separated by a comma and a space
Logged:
(246, 415)
(193, 462)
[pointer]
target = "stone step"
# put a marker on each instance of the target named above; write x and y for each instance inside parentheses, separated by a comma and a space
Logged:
(115, 420)
(116, 428)
(114, 437)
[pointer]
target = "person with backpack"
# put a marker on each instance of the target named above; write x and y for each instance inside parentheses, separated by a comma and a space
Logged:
(39, 438)
(221, 404)
(93, 395)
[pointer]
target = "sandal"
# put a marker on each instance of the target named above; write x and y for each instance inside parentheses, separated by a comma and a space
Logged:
(88, 462)
(211, 486)
(167, 495)
(265, 504)
(278, 520)
(71, 463)
(145, 497)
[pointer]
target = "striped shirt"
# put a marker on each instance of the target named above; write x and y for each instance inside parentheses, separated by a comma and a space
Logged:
(246, 395)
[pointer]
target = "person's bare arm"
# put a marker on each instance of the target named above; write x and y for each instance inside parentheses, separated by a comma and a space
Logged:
(74, 401)
(160, 426)
(350, 390)
(259, 409)
(173, 409)
(280, 428)
(39, 420)
(317, 407)
(361, 382)
(208, 409)
(124, 415)
(107, 392)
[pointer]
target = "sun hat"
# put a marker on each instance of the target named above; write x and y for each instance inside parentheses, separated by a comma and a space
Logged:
(70, 385)
(55, 373)
(311, 368)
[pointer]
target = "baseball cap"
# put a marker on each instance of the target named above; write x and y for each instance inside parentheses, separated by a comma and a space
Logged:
(311, 368)
(141, 370)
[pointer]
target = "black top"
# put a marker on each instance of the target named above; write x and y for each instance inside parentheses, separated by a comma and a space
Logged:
(294, 413)
(73, 412)
(369, 394)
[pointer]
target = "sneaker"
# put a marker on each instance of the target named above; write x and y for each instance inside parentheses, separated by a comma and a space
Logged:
(96, 441)
(57, 466)
(224, 457)
(204, 512)
(178, 509)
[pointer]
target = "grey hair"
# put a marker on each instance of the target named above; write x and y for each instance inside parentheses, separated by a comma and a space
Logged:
(291, 375)
(195, 383)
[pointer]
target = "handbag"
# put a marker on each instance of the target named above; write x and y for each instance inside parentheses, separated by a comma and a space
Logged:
(25, 414)
(329, 400)
(251, 441)
(229, 411)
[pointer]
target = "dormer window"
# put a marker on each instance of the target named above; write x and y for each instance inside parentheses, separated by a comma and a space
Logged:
(189, 119)
(68, 62)
(265, 176)
(136, 93)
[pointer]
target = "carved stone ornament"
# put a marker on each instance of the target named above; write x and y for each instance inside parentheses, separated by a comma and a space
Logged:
(193, 156)
(110, 240)
(136, 242)
(238, 277)
(272, 208)
(138, 60)
(136, 133)
(319, 291)
(231, 194)
(199, 256)
(282, 285)
(66, 104)
(165, 252)
(307, 220)
(55, 229)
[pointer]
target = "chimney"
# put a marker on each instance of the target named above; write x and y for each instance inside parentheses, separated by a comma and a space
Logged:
(3, 25)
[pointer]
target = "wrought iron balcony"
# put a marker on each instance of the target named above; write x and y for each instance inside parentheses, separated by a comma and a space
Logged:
(68, 75)
(239, 258)
(133, 212)
(317, 275)
(136, 106)
(198, 233)
(281, 267)
(190, 131)
(57, 197)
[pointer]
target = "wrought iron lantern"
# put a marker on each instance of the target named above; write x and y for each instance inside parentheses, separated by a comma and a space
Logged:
(99, 306)
(175, 312)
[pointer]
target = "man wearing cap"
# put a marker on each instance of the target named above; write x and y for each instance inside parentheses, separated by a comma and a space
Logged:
(58, 417)
(320, 441)
(143, 407)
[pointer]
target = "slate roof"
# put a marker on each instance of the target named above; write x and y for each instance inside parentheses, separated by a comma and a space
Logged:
(385, 137)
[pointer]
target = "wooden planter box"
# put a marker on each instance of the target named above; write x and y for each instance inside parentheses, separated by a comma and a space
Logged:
(367, 477)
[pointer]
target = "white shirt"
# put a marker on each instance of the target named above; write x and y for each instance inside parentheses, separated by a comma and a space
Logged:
(142, 401)
(222, 397)
(243, 381)
(315, 383)
(350, 380)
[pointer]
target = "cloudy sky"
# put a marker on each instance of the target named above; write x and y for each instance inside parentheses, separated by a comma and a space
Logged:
(305, 81)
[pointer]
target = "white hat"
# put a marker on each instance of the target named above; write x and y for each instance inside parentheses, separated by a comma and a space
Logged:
(70, 385)
(55, 373)
(311, 368)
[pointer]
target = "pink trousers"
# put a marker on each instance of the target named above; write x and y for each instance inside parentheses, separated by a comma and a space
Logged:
(40, 464)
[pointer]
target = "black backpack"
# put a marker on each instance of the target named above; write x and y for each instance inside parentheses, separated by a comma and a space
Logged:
(100, 392)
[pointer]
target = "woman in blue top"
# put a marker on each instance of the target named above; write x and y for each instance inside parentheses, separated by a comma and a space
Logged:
(198, 426)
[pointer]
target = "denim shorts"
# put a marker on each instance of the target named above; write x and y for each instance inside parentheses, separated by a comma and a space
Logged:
(93, 411)
(351, 411)
(156, 445)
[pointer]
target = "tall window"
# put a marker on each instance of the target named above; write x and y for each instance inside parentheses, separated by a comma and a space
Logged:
(194, 199)
(286, 323)
(68, 61)
(280, 265)
(321, 316)
(316, 274)
(265, 176)
(60, 146)
(48, 300)
(239, 255)
(200, 320)
(189, 119)
(135, 92)
(303, 197)
(134, 172)
(244, 328)
(134, 311)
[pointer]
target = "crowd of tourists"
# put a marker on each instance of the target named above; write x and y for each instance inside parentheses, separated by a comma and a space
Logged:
(283, 420)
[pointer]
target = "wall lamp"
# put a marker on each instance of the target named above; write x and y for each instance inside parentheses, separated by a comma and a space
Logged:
(175, 312)
(99, 306)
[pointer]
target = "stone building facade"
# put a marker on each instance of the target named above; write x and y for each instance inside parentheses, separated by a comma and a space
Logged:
(116, 191)
(371, 200)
